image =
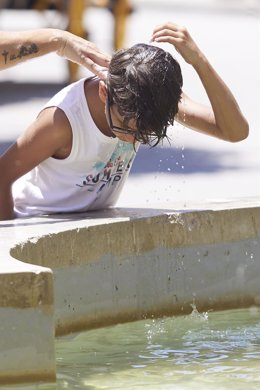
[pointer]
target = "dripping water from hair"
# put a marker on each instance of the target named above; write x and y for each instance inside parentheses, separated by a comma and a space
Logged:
(182, 149)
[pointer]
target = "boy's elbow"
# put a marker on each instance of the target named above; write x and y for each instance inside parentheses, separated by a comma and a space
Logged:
(246, 132)
(240, 134)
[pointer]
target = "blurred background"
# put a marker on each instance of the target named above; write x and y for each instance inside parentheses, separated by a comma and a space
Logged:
(193, 169)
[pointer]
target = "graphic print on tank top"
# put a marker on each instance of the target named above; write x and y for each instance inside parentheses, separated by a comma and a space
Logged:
(108, 174)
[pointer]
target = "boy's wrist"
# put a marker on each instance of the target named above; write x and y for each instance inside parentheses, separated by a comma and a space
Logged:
(201, 63)
(59, 40)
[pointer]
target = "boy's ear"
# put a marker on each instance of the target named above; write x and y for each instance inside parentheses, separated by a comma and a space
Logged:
(102, 91)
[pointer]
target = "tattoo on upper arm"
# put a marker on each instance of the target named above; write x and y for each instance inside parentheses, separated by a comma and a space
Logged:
(23, 51)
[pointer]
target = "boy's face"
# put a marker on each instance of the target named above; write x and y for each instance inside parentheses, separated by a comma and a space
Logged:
(115, 122)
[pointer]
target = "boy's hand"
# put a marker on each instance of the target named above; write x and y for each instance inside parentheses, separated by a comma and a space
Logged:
(85, 53)
(179, 37)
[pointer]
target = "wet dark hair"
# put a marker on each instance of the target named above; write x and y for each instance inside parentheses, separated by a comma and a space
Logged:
(145, 82)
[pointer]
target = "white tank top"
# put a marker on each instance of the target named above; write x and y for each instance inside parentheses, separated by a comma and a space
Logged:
(90, 178)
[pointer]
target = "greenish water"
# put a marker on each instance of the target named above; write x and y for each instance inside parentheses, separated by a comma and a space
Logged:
(218, 350)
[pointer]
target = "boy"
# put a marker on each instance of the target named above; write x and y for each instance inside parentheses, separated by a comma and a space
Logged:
(78, 152)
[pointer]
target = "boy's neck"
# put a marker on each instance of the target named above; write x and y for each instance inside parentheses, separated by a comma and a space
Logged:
(96, 106)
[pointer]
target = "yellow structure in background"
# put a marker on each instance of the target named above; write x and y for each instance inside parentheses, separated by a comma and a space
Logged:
(120, 10)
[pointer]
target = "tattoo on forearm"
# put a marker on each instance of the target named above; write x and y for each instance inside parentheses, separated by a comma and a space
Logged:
(23, 51)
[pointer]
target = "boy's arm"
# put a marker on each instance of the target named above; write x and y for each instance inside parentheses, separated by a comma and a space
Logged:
(223, 119)
(50, 135)
(17, 47)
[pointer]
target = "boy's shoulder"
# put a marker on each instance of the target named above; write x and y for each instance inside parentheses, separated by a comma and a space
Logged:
(67, 95)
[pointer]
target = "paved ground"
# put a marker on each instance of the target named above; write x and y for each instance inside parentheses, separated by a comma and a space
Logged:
(194, 168)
